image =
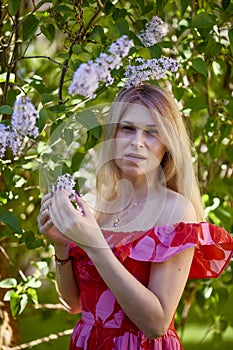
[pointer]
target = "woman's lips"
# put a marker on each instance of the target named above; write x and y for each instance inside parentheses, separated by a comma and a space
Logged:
(134, 157)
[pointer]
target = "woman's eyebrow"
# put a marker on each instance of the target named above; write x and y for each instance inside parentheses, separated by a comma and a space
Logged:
(131, 123)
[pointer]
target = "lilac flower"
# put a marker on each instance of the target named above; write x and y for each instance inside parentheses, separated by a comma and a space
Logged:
(23, 124)
(155, 30)
(16, 142)
(24, 117)
(149, 69)
(67, 182)
(4, 139)
(121, 46)
(85, 80)
(87, 77)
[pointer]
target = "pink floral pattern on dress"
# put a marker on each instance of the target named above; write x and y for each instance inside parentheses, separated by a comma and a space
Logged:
(104, 325)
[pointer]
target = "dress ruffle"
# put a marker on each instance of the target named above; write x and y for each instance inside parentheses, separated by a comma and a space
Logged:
(214, 246)
(104, 325)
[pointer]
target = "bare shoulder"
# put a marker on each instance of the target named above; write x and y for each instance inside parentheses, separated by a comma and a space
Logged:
(179, 208)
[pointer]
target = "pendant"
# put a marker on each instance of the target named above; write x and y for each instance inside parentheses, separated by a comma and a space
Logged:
(115, 223)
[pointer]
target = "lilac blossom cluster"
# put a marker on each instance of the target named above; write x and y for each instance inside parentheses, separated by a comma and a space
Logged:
(23, 124)
(66, 182)
(153, 33)
(87, 77)
(4, 139)
(155, 68)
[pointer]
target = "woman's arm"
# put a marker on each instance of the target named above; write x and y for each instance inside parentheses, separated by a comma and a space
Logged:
(65, 282)
(152, 308)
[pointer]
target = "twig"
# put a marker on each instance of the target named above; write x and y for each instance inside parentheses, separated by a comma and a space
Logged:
(39, 341)
(24, 20)
(46, 57)
(79, 38)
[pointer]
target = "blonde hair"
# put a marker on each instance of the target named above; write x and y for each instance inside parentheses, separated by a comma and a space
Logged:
(176, 165)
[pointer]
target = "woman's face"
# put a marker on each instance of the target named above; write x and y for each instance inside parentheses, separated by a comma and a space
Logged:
(138, 149)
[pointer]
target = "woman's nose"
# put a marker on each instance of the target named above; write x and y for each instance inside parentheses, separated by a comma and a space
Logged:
(138, 139)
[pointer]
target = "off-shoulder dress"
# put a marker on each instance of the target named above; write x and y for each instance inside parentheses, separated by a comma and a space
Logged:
(104, 325)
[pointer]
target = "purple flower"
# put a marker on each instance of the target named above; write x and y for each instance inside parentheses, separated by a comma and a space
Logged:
(4, 139)
(121, 46)
(87, 77)
(23, 124)
(16, 142)
(153, 33)
(24, 117)
(67, 182)
(149, 69)
(85, 80)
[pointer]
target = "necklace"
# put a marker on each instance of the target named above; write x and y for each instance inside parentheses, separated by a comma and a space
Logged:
(117, 220)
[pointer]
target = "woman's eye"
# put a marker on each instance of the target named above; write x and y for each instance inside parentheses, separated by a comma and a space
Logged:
(127, 128)
(152, 131)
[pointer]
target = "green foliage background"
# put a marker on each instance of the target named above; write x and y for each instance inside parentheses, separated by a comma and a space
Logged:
(42, 44)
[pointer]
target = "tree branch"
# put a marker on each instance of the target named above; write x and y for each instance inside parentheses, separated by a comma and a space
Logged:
(45, 57)
(79, 39)
(39, 341)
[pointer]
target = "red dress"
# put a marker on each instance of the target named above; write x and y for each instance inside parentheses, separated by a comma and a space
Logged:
(103, 325)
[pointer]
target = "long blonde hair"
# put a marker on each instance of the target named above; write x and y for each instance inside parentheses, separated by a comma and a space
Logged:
(176, 165)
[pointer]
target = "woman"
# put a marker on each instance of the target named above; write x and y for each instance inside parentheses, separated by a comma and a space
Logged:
(127, 266)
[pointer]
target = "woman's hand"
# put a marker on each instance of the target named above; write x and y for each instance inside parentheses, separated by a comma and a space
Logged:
(46, 226)
(78, 226)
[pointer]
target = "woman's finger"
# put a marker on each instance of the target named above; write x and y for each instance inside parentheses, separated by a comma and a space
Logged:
(45, 201)
(43, 216)
(46, 226)
(56, 213)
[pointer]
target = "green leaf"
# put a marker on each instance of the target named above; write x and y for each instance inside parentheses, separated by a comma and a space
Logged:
(48, 31)
(10, 220)
(77, 159)
(31, 241)
(69, 136)
(155, 51)
(212, 48)
(6, 109)
(215, 150)
(123, 26)
(32, 293)
(58, 108)
(225, 4)
(91, 140)
(8, 283)
(230, 36)
(87, 118)
(42, 120)
(7, 296)
(203, 20)
(97, 35)
(34, 283)
(199, 65)
(119, 14)
(14, 6)
(184, 5)
(23, 302)
(11, 97)
(15, 304)
(30, 27)
(226, 130)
